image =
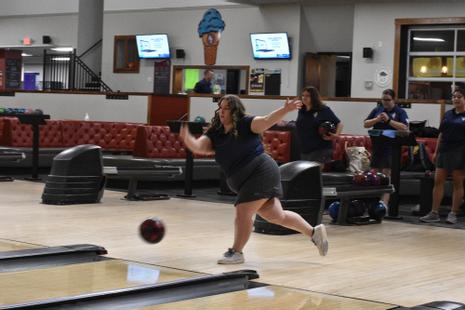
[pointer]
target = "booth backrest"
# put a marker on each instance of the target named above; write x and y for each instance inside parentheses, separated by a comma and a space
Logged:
(108, 135)
(352, 140)
(66, 133)
(158, 142)
(430, 145)
(20, 135)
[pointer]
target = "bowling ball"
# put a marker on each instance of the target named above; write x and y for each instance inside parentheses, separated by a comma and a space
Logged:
(384, 179)
(333, 209)
(326, 128)
(356, 208)
(377, 211)
(372, 179)
(199, 119)
(152, 230)
(359, 179)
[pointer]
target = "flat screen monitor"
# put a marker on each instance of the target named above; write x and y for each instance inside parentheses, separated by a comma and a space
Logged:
(154, 46)
(270, 45)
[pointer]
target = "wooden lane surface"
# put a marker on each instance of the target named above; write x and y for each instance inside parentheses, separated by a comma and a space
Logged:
(393, 262)
(71, 280)
(271, 297)
(10, 245)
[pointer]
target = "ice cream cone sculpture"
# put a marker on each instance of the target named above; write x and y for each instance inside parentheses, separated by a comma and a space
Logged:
(210, 28)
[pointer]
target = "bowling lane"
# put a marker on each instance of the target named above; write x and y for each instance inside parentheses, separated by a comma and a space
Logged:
(40, 284)
(272, 297)
(10, 245)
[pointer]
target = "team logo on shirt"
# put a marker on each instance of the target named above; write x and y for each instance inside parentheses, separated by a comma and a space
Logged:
(315, 114)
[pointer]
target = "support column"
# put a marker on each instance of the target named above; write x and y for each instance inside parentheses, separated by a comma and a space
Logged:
(90, 30)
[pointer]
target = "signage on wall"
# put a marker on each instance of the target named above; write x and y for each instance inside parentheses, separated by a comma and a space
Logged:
(383, 77)
(161, 77)
(257, 80)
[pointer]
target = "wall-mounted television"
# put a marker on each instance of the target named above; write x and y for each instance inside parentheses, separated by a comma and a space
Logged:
(153, 46)
(270, 45)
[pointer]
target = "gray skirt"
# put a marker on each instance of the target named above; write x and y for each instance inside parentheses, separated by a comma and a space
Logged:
(258, 179)
(451, 159)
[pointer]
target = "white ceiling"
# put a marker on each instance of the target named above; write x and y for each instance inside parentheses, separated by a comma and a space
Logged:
(319, 2)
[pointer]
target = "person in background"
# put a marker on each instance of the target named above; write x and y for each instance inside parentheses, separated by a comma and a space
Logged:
(386, 116)
(449, 157)
(204, 86)
(234, 138)
(314, 146)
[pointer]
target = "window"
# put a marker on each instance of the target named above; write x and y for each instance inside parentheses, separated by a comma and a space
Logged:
(435, 61)
(125, 59)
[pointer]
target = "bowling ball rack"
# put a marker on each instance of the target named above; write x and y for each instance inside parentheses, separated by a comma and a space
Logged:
(348, 192)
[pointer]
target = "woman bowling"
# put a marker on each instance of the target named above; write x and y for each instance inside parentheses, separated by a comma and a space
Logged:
(449, 157)
(234, 137)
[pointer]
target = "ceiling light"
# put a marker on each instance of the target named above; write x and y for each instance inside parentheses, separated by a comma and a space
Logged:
(26, 55)
(62, 49)
(428, 39)
(60, 58)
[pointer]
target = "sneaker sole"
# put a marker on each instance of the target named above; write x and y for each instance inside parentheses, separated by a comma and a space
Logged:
(230, 263)
(452, 223)
(430, 221)
(324, 236)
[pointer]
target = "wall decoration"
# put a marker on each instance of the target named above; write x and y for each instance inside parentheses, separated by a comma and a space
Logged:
(209, 29)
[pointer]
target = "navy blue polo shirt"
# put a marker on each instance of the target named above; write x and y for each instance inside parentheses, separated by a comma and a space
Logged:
(397, 114)
(233, 152)
(307, 128)
(452, 130)
(203, 86)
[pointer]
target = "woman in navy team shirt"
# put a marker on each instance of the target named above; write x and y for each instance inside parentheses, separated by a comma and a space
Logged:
(449, 157)
(387, 116)
(234, 137)
(315, 147)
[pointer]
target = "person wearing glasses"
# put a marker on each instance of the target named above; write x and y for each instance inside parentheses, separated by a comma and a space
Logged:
(386, 116)
(314, 146)
(449, 158)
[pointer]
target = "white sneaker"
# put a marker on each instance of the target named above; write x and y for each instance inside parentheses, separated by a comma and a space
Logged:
(451, 218)
(431, 217)
(231, 257)
(320, 239)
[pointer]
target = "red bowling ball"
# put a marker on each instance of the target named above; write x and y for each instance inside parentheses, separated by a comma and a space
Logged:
(359, 179)
(152, 230)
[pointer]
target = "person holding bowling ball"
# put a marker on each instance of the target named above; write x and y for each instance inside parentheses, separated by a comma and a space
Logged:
(449, 158)
(234, 138)
(386, 116)
(316, 146)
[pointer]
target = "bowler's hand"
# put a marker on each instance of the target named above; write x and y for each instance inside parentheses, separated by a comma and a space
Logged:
(384, 117)
(330, 136)
(293, 104)
(184, 132)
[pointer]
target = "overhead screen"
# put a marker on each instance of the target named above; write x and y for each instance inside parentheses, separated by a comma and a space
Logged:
(153, 46)
(270, 45)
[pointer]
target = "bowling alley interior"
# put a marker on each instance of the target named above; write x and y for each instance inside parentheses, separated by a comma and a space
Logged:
(135, 138)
